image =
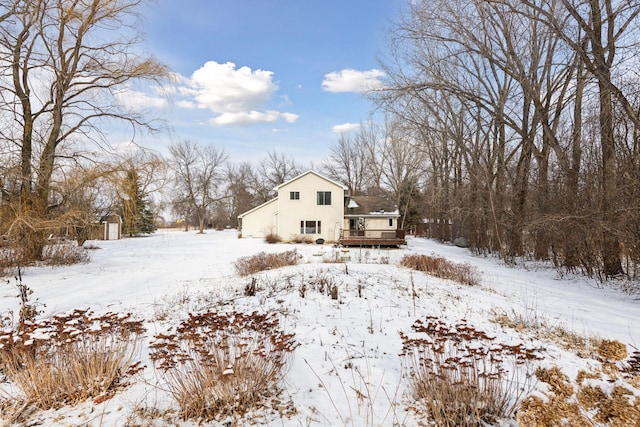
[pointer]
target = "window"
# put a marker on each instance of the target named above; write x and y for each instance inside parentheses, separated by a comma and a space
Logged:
(294, 195)
(310, 227)
(390, 222)
(324, 197)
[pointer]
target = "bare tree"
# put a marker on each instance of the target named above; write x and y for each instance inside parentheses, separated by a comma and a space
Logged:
(600, 30)
(199, 178)
(59, 75)
(274, 170)
(241, 191)
(529, 119)
(350, 162)
(400, 160)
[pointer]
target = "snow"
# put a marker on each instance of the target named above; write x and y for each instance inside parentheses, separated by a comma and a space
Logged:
(346, 370)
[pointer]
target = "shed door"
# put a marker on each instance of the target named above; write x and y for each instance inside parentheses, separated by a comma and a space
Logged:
(113, 231)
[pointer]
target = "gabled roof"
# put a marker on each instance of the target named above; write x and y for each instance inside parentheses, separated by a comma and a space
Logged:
(344, 187)
(370, 206)
(258, 207)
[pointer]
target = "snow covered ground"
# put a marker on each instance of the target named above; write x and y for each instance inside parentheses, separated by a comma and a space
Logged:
(348, 347)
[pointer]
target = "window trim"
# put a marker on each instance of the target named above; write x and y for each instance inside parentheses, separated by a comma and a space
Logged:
(316, 227)
(321, 198)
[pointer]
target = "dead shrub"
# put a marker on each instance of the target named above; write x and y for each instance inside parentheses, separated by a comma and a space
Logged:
(272, 238)
(457, 373)
(251, 288)
(300, 238)
(69, 358)
(64, 254)
(633, 364)
(264, 261)
(322, 282)
(220, 365)
(7, 260)
(11, 257)
(464, 274)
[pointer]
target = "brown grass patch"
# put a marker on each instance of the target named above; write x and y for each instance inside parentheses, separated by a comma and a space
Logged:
(530, 321)
(264, 261)
(612, 350)
(464, 274)
(583, 403)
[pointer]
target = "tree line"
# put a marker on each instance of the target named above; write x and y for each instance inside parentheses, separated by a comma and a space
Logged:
(527, 113)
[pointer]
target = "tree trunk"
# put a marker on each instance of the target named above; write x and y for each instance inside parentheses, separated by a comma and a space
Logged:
(542, 240)
(571, 236)
(611, 251)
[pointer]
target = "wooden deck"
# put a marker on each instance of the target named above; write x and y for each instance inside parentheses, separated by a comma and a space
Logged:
(370, 238)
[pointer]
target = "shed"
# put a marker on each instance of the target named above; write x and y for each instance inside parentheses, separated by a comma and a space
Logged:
(112, 227)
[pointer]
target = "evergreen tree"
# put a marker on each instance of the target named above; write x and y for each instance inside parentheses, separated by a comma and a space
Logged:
(137, 218)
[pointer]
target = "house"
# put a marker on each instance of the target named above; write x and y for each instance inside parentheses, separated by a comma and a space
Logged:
(312, 206)
(370, 220)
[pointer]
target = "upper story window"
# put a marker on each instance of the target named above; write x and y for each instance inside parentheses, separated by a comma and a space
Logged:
(390, 222)
(324, 197)
(294, 195)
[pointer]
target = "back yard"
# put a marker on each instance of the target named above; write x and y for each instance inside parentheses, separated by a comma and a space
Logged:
(369, 336)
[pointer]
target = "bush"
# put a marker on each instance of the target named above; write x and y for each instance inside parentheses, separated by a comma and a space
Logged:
(300, 238)
(70, 358)
(264, 261)
(272, 238)
(440, 267)
(457, 373)
(7, 260)
(55, 254)
(219, 365)
(65, 254)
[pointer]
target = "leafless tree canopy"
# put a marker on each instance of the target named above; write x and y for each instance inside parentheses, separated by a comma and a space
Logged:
(527, 113)
(63, 64)
(199, 179)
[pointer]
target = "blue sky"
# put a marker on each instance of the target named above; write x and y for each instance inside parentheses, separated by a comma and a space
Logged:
(259, 75)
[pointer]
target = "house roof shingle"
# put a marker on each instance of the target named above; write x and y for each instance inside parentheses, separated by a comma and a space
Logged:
(370, 206)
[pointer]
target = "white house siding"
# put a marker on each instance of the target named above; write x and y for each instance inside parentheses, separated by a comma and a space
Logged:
(260, 221)
(376, 223)
(382, 223)
(306, 208)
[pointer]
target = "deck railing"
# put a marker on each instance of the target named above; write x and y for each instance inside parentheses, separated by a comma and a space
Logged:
(377, 234)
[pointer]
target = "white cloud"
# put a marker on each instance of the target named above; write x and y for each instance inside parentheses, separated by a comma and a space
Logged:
(289, 117)
(350, 80)
(345, 127)
(186, 104)
(247, 117)
(233, 95)
(137, 100)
